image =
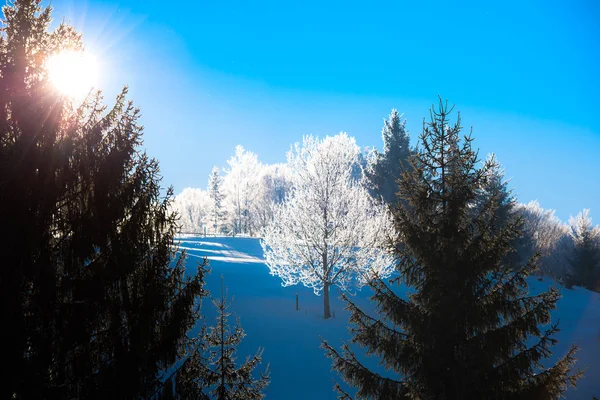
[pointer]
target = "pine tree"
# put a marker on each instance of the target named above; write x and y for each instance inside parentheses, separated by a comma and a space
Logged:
(93, 303)
(388, 166)
(216, 214)
(470, 329)
(211, 372)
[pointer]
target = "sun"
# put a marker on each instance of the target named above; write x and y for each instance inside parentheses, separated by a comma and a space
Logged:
(73, 73)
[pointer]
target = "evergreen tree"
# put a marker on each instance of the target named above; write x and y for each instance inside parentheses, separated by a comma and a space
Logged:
(470, 329)
(90, 305)
(211, 372)
(585, 260)
(216, 214)
(495, 188)
(388, 166)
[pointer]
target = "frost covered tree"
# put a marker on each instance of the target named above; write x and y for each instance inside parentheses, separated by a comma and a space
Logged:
(211, 371)
(241, 189)
(584, 259)
(328, 231)
(94, 304)
(193, 207)
(216, 214)
(274, 183)
(545, 234)
(470, 328)
(385, 168)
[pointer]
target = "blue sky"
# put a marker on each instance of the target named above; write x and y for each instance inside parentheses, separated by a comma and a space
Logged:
(210, 75)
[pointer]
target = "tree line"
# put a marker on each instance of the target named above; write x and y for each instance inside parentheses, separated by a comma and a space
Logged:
(248, 198)
(239, 203)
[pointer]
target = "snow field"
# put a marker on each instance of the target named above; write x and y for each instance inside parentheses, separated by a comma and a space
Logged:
(291, 339)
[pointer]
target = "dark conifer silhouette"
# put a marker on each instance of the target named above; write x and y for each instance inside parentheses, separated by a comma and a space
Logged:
(94, 302)
(470, 329)
(211, 371)
(388, 166)
(584, 260)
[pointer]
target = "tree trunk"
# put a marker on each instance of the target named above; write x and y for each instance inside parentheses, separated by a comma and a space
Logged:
(326, 284)
(326, 310)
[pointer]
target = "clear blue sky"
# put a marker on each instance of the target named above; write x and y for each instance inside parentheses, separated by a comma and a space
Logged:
(209, 75)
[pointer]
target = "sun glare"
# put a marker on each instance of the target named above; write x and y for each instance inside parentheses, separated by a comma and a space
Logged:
(73, 73)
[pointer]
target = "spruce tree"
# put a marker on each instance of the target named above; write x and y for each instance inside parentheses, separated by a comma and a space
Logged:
(495, 188)
(585, 266)
(585, 255)
(216, 215)
(469, 329)
(211, 371)
(94, 302)
(388, 166)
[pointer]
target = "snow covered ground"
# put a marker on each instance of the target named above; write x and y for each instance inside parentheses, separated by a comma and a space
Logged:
(291, 339)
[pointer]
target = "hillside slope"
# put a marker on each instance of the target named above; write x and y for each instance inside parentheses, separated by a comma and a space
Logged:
(290, 338)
